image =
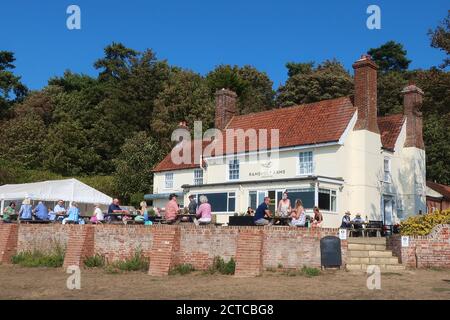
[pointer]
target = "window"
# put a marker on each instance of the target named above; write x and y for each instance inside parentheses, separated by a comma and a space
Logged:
(252, 199)
(304, 194)
(327, 200)
(305, 162)
(198, 177)
(222, 201)
(233, 169)
(168, 180)
(387, 170)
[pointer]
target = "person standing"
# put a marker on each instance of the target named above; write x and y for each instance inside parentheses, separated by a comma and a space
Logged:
(262, 212)
(172, 209)
(284, 206)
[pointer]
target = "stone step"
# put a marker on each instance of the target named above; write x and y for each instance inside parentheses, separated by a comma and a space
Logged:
(370, 253)
(371, 247)
(383, 268)
(367, 240)
(373, 260)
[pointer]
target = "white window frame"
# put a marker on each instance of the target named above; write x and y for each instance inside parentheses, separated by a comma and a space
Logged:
(168, 183)
(237, 168)
(333, 193)
(387, 174)
(198, 177)
(299, 163)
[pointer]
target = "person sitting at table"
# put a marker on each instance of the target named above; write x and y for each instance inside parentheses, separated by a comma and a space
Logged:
(97, 216)
(171, 209)
(41, 211)
(203, 212)
(142, 213)
(25, 212)
(8, 212)
(74, 214)
(114, 209)
(358, 223)
(298, 214)
(250, 211)
(192, 207)
(346, 223)
(318, 218)
(263, 212)
(58, 211)
(284, 206)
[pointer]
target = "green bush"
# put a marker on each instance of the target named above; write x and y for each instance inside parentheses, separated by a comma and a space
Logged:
(182, 269)
(220, 266)
(305, 271)
(138, 262)
(36, 258)
(96, 261)
(423, 224)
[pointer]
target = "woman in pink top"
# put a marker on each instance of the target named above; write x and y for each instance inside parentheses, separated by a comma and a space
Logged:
(204, 211)
(171, 209)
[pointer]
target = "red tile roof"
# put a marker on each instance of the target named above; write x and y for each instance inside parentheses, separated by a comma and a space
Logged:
(441, 188)
(390, 127)
(308, 124)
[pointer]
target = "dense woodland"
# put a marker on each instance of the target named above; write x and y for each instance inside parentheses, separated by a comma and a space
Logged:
(110, 130)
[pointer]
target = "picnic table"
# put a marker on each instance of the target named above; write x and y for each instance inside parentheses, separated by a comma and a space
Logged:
(185, 217)
(365, 228)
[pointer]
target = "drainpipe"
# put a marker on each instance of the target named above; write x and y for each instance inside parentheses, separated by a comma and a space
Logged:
(316, 194)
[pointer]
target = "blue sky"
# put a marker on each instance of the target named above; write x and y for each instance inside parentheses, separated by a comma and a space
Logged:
(201, 34)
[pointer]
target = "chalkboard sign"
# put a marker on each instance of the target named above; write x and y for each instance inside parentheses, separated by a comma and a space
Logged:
(330, 252)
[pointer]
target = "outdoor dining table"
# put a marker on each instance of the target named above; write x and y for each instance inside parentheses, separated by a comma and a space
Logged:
(185, 217)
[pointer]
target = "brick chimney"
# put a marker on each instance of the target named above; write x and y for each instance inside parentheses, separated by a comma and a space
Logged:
(412, 102)
(366, 94)
(225, 107)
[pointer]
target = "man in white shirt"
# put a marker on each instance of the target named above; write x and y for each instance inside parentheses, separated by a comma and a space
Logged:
(58, 209)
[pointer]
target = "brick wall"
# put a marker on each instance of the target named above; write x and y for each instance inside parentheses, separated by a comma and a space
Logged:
(121, 242)
(432, 250)
(171, 245)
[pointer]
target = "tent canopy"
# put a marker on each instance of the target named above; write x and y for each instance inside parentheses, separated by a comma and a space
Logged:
(54, 190)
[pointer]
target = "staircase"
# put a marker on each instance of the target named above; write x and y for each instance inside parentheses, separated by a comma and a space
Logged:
(363, 252)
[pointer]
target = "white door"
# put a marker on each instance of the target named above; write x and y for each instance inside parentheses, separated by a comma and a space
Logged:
(388, 211)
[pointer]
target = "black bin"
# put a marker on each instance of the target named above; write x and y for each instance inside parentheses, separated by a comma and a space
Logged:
(330, 252)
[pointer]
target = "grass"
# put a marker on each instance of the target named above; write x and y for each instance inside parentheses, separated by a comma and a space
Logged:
(182, 269)
(36, 258)
(305, 271)
(138, 262)
(222, 267)
(96, 261)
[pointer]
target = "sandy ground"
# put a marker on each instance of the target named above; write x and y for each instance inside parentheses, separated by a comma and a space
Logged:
(43, 283)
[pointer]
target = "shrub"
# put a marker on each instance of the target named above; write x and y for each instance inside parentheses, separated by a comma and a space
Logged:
(182, 269)
(96, 261)
(138, 262)
(423, 224)
(36, 258)
(305, 271)
(220, 266)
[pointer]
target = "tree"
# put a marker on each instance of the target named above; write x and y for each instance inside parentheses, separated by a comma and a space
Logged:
(68, 151)
(329, 80)
(22, 140)
(11, 89)
(295, 68)
(440, 39)
(390, 98)
(254, 88)
(134, 165)
(117, 62)
(390, 57)
(185, 97)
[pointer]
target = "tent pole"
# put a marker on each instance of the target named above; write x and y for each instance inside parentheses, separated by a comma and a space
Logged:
(2, 205)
